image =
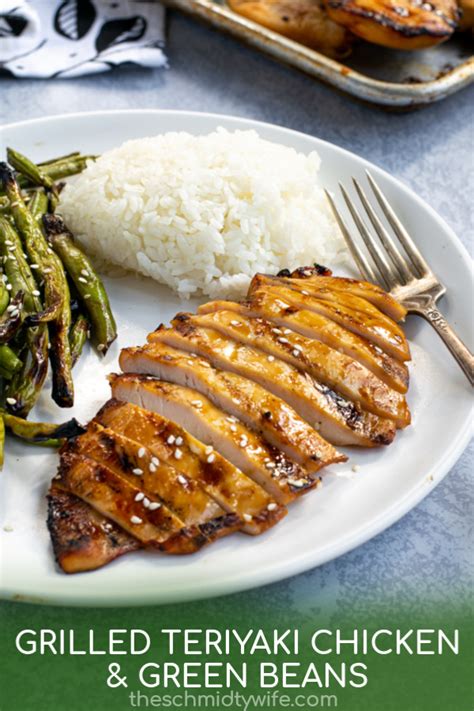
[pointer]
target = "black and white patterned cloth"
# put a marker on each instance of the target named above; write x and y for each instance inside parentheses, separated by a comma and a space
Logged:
(67, 38)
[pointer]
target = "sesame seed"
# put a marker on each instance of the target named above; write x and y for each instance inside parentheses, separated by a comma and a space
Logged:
(34, 266)
(182, 479)
(140, 496)
(100, 347)
(35, 292)
(8, 242)
(243, 441)
(8, 287)
(137, 471)
(152, 468)
(11, 400)
(283, 340)
(155, 461)
(271, 358)
(178, 454)
(197, 403)
(297, 482)
(247, 517)
(141, 452)
(86, 296)
(295, 353)
(287, 330)
(47, 270)
(355, 468)
(272, 506)
(84, 272)
(136, 519)
(211, 458)
(306, 293)
(235, 323)
(179, 441)
(11, 308)
(233, 428)
(270, 465)
(208, 449)
(154, 505)
(171, 439)
(8, 529)
(12, 257)
(146, 502)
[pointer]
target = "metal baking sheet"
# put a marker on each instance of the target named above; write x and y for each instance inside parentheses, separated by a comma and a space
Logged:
(390, 78)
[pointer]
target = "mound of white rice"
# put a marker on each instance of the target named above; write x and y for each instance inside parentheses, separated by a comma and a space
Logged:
(203, 214)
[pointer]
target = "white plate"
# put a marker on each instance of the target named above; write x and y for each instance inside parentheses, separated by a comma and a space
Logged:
(347, 511)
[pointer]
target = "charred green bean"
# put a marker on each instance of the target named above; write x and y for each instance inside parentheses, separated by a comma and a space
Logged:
(41, 431)
(87, 282)
(78, 336)
(28, 169)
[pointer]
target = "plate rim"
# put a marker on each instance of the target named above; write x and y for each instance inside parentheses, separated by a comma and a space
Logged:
(298, 564)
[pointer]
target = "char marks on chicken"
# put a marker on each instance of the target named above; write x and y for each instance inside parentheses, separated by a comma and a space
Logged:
(227, 416)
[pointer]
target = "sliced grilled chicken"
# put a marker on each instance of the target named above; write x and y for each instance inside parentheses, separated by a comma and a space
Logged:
(114, 497)
(351, 312)
(132, 461)
(276, 421)
(328, 366)
(83, 539)
(315, 278)
(312, 325)
(220, 479)
(269, 467)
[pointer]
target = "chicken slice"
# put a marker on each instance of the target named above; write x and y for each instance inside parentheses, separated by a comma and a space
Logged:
(83, 539)
(270, 416)
(114, 497)
(220, 479)
(196, 522)
(325, 364)
(351, 312)
(269, 467)
(312, 325)
(313, 279)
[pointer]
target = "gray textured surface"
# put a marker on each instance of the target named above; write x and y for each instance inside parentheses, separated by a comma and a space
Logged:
(429, 552)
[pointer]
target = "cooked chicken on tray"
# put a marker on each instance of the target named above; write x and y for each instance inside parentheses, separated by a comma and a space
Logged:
(224, 418)
(330, 26)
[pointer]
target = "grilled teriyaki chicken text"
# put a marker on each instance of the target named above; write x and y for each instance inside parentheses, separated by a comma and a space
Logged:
(224, 418)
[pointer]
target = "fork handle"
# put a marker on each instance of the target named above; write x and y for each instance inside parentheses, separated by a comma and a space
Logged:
(459, 350)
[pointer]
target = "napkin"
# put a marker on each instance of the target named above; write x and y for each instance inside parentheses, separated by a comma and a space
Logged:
(68, 38)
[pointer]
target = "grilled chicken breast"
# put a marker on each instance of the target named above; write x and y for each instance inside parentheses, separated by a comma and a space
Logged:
(222, 419)
(269, 467)
(318, 277)
(312, 325)
(405, 24)
(221, 480)
(83, 539)
(304, 21)
(257, 408)
(351, 312)
(327, 365)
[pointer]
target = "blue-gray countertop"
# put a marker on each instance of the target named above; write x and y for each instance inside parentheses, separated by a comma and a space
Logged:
(431, 150)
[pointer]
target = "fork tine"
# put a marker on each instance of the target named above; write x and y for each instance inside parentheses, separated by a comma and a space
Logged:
(390, 247)
(405, 239)
(369, 242)
(364, 267)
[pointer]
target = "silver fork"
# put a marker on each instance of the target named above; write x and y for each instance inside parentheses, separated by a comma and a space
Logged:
(406, 275)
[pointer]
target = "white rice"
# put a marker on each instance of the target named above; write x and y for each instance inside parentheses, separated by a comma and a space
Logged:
(203, 214)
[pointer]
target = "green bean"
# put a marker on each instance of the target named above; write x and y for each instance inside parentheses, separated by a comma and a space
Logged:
(49, 267)
(39, 432)
(62, 169)
(11, 321)
(56, 295)
(38, 205)
(30, 170)
(2, 442)
(9, 361)
(25, 387)
(4, 297)
(78, 335)
(87, 282)
(60, 159)
(17, 270)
